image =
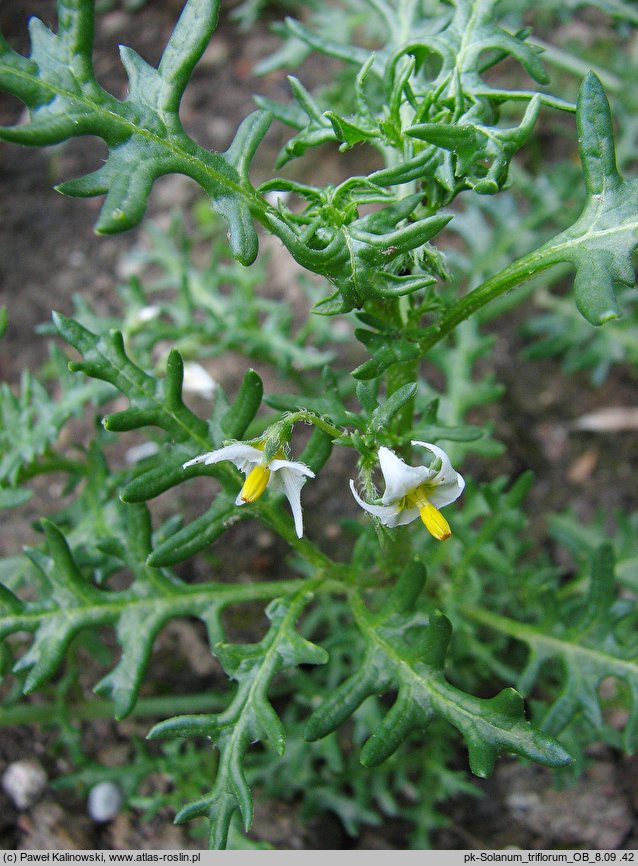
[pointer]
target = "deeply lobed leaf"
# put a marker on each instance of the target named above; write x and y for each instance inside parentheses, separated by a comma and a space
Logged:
(143, 132)
(250, 716)
(408, 654)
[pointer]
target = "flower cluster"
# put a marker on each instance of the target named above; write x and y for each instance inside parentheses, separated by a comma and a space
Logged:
(410, 491)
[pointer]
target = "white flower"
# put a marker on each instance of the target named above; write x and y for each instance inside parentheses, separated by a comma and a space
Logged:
(416, 491)
(260, 473)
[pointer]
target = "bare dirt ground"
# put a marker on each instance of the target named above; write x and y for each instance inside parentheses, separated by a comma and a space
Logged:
(48, 252)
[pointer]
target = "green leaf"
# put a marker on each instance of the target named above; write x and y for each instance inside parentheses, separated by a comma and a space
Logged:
(14, 498)
(476, 145)
(405, 651)
(600, 243)
(585, 635)
(199, 533)
(31, 421)
(143, 133)
(236, 420)
(358, 257)
(383, 414)
(319, 448)
(69, 601)
(250, 716)
(73, 604)
(386, 350)
(152, 402)
(329, 404)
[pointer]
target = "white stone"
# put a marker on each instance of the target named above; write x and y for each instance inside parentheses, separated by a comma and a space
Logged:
(104, 802)
(24, 782)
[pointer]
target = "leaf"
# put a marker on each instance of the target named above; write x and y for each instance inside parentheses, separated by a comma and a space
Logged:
(405, 651)
(305, 115)
(14, 498)
(69, 601)
(159, 403)
(329, 403)
(236, 420)
(585, 636)
(31, 421)
(475, 145)
(250, 716)
(72, 604)
(357, 257)
(385, 352)
(152, 402)
(143, 133)
(600, 243)
(199, 533)
(383, 414)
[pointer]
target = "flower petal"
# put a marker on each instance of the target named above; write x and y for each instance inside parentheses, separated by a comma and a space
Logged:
(291, 465)
(292, 481)
(400, 478)
(446, 471)
(240, 454)
(389, 515)
(447, 492)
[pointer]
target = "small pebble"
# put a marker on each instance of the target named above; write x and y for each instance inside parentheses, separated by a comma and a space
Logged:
(105, 800)
(24, 782)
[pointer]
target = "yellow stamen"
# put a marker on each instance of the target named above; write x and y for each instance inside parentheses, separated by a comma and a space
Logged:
(255, 483)
(432, 518)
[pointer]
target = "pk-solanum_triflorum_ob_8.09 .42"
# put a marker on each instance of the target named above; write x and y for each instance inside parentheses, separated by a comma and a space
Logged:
(444, 217)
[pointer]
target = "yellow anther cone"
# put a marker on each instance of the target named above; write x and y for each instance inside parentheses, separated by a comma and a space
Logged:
(255, 483)
(434, 522)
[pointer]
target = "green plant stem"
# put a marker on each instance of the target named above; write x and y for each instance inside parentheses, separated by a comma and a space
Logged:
(311, 418)
(568, 62)
(188, 601)
(157, 707)
(518, 272)
(546, 643)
